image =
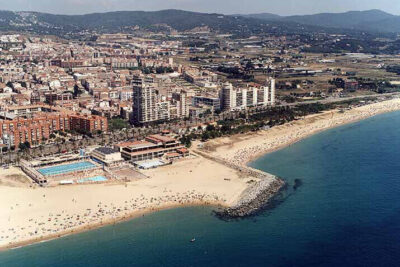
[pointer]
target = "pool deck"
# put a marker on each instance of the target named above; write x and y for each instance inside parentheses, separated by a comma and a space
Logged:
(96, 179)
(67, 168)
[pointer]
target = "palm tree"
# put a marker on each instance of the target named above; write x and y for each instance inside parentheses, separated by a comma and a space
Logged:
(1, 156)
(103, 139)
(41, 150)
(127, 134)
(59, 148)
(9, 154)
(18, 159)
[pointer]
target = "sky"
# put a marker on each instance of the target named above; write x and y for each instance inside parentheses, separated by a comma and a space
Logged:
(281, 7)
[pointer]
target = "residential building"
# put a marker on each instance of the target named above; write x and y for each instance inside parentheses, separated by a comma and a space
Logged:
(241, 98)
(148, 104)
(144, 100)
(36, 123)
(228, 97)
(214, 102)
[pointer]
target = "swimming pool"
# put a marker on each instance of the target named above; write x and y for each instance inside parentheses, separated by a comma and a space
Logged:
(92, 179)
(60, 169)
(150, 164)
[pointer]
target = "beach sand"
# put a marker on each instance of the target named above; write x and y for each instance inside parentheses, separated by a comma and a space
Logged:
(14, 177)
(34, 214)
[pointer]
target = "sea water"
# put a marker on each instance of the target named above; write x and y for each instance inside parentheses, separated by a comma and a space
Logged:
(345, 213)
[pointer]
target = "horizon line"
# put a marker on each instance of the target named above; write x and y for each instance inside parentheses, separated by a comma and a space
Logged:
(200, 12)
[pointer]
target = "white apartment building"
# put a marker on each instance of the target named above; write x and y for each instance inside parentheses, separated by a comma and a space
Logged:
(228, 97)
(273, 88)
(180, 101)
(148, 104)
(241, 98)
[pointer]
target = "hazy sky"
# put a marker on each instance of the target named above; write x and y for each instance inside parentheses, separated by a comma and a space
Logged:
(283, 7)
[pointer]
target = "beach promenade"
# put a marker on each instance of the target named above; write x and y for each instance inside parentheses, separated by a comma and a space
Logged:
(241, 149)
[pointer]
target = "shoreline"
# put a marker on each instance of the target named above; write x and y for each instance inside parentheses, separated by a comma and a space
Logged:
(241, 150)
(262, 196)
(227, 160)
(109, 222)
(283, 146)
(32, 215)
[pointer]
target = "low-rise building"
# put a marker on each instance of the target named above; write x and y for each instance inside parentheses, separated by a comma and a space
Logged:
(107, 156)
(154, 146)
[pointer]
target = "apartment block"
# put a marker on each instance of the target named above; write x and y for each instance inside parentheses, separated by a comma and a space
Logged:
(34, 124)
(240, 98)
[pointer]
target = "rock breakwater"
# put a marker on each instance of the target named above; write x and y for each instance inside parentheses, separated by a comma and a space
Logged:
(254, 199)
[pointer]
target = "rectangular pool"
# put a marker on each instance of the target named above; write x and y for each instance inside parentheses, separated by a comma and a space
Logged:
(67, 168)
(93, 179)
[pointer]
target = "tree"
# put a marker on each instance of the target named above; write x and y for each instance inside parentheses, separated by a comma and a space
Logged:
(24, 146)
(146, 71)
(186, 140)
(118, 124)
(210, 128)
(205, 136)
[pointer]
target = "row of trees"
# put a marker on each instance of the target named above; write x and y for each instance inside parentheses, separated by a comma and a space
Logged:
(252, 122)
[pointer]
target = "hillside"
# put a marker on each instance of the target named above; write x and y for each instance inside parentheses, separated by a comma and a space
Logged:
(239, 25)
(370, 20)
(263, 16)
(117, 21)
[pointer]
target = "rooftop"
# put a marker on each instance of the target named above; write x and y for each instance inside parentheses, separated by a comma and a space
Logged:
(161, 138)
(140, 144)
(106, 150)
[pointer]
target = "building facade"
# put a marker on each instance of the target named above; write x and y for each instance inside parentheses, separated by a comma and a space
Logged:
(214, 102)
(40, 126)
(241, 98)
(154, 146)
(148, 104)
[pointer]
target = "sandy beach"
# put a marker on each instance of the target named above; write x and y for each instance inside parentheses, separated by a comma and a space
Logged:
(31, 214)
(241, 149)
(34, 214)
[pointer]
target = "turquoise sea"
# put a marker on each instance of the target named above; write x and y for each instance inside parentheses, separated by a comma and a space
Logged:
(345, 213)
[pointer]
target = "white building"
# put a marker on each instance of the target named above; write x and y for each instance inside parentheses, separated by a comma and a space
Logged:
(228, 97)
(273, 84)
(180, 100)
(107, 156)
(148, 104)
(242, 98)
(263, 94)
